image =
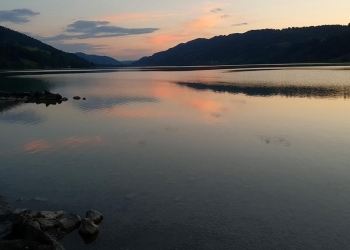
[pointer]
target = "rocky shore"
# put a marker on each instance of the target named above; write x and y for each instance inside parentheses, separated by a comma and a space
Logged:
(27, 229)
(32, 97)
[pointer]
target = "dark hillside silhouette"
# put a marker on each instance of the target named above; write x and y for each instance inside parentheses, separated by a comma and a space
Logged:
(19, 51)
(100, 60)
(326, 44)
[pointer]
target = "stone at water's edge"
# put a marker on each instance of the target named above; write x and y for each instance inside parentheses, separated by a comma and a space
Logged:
(95, 216)
(74, 217)
(76, 97)
(27, 229)
(51, 215)
(67, 225)
(88, 227)
(47, 224)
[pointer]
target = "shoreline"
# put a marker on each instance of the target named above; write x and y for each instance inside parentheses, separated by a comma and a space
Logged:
(28, 229)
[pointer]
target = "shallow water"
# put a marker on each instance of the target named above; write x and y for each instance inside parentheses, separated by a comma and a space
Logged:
(203, 159)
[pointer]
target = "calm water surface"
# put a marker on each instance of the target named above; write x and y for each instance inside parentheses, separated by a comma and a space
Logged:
(206, 159)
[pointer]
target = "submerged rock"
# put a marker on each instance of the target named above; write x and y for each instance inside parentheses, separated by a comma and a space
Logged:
(95, 216)
(76, 97)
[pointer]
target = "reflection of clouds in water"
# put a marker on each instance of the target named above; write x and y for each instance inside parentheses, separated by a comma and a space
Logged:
(276, 140)
(38, 146)
(25, 117)
(95, 103)
(211, 108)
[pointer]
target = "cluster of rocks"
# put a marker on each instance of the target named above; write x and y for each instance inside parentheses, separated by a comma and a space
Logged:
(33, 97)
(78, 98)
(27, 229)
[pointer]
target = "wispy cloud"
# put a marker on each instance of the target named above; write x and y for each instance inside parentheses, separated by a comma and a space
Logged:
(96, 29)
(239, 24)
(17, 15)
(75, 47)
(216, 10)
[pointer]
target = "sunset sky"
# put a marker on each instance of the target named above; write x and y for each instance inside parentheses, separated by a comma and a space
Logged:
(128, 30)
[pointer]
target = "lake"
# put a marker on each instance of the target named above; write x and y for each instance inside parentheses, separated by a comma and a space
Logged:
(186, 159)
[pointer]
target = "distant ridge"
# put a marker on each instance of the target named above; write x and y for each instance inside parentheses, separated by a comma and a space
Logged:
(100, 60)
(320, 44)
(19, 51)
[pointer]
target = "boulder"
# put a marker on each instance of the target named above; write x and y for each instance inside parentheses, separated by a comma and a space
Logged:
(5, 229)
(32, 214)
(95, 216)
(64, 99)
(84, 98)
(76, 97)
(74, 217)
(51, 215)
(67, 225)
(47, 224)
(21, 211)
(88, 227)
(4, 210)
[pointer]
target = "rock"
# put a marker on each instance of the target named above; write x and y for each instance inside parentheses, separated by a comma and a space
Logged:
(47, 224)
(21, 211)
(27, 230)
(84, 98)
(4, 210)
(32, 214)
(28, 245)
(51, 215)
(74, 217)
(76, 97)
(64, 99)
(5, 229)
(89, 238)
(88, 227)
(67, 225)
(36, 224)
(39, 199)
(95, 216)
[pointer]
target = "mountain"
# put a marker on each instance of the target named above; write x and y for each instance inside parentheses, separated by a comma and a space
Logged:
(128, 62)
(99, 60)
(328, 43)
(19, 51)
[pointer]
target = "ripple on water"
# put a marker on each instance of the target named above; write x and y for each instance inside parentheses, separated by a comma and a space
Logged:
(25, 117)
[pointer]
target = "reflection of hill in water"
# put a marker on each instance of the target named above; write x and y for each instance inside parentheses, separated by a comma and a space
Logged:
(19, 84)
(340, 91)
(5, 106)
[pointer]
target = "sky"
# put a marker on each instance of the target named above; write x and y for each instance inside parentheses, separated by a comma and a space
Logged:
(129, 30)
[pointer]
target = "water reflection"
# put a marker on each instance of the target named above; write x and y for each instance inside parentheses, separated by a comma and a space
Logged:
(74, 142)
(21, 84)
(97, 103)
(341, 91)
(26, 117)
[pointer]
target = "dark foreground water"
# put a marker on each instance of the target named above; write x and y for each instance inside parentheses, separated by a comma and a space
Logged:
(207, 159)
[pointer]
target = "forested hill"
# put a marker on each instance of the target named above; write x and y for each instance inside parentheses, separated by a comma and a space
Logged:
(328, 43)
(100, 60)
(19, 51)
